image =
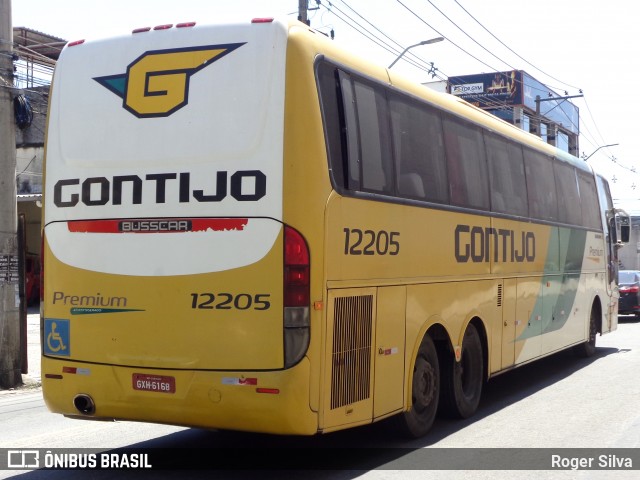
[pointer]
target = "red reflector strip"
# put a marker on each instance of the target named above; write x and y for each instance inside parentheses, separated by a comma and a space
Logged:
(76, 371)
(273, 391)
(239, 381)
(53, 376)
(157, 225)
(141, 30)
(262, 20)
(163, 27)
(73, 44)
(185, 24)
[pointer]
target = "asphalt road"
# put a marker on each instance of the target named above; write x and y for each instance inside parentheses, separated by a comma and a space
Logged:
(558, 402)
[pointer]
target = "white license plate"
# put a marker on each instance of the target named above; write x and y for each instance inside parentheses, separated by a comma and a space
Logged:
(154, 383)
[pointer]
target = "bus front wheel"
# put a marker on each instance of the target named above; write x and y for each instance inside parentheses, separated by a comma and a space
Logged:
(463, 380)
(425, 391)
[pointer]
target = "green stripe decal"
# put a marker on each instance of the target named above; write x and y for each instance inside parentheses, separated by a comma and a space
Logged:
(99, 310)
(566, 247)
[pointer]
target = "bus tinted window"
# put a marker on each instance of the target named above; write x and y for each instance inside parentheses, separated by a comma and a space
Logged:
(331, 104)
(373, 129)
(350, 125)
(506, 174)
(382, 141)
(541, 188)
(569, 210)
(417, 145)
(589, 201)
(464, 147)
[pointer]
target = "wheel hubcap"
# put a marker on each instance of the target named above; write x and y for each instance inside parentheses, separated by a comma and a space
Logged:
(424, 385)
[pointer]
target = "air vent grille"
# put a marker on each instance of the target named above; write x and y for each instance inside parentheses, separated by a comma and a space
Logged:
(351, 352)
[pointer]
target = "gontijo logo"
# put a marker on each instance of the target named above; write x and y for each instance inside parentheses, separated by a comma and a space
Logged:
(156, 84)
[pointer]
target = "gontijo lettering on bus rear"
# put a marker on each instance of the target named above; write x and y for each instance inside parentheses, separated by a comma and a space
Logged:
(473, 243)
(243, 186)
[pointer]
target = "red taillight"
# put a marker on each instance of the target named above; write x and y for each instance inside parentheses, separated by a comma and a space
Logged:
(296, 275)
(295, 248)
(296, 269)
(629, 289)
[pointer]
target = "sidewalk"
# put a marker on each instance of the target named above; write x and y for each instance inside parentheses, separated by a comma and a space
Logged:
(30, 382)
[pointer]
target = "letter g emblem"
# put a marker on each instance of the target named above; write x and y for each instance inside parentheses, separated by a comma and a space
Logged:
(157, 83)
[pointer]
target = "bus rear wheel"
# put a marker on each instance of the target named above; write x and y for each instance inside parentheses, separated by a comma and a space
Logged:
(588, 348)
(425, 392)
(463, 380)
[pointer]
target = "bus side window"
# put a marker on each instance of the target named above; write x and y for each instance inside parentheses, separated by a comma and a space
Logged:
(467, 164)
(589, 201)
(569, 210)
(417, 144)
(351, 132)
(373, 131)
(541, 188)
(331, 106)
(506, 176)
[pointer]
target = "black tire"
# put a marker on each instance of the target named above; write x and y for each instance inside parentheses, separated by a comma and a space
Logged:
(588, 348)
(425, 392)
(462, 381)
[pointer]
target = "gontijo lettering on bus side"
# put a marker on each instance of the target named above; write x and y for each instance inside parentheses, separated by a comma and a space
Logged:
(473, 244)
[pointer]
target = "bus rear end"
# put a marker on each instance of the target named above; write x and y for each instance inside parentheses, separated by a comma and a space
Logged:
(173, 290)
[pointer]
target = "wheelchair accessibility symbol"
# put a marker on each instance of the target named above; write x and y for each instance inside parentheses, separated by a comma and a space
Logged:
(56, 337)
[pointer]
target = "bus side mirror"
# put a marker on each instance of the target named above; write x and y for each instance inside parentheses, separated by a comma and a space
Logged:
(625, 233)
(622, 226)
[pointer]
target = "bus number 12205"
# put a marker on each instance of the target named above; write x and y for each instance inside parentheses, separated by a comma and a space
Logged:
(369, 242)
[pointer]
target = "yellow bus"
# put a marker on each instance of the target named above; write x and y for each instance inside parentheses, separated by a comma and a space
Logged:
(248, 228)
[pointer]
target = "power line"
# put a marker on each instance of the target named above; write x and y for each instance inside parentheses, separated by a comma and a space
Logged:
(509, 48)
(400, 47)
(470, 37)
(367, 33)
(443, 35)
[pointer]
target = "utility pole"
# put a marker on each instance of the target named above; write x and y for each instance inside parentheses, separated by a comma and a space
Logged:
(10, 359)
(302, 11)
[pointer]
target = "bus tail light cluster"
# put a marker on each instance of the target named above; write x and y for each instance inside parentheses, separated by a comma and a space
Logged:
(296, 296)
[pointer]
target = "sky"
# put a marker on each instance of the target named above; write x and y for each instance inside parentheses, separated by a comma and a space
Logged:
(569, 45)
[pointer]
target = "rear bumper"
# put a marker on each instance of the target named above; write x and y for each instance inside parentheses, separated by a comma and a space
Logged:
(271, 402)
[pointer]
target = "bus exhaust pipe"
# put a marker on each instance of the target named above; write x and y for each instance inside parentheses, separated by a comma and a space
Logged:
(84, 404)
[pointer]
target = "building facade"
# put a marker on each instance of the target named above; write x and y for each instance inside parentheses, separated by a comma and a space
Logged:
(521, 100)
